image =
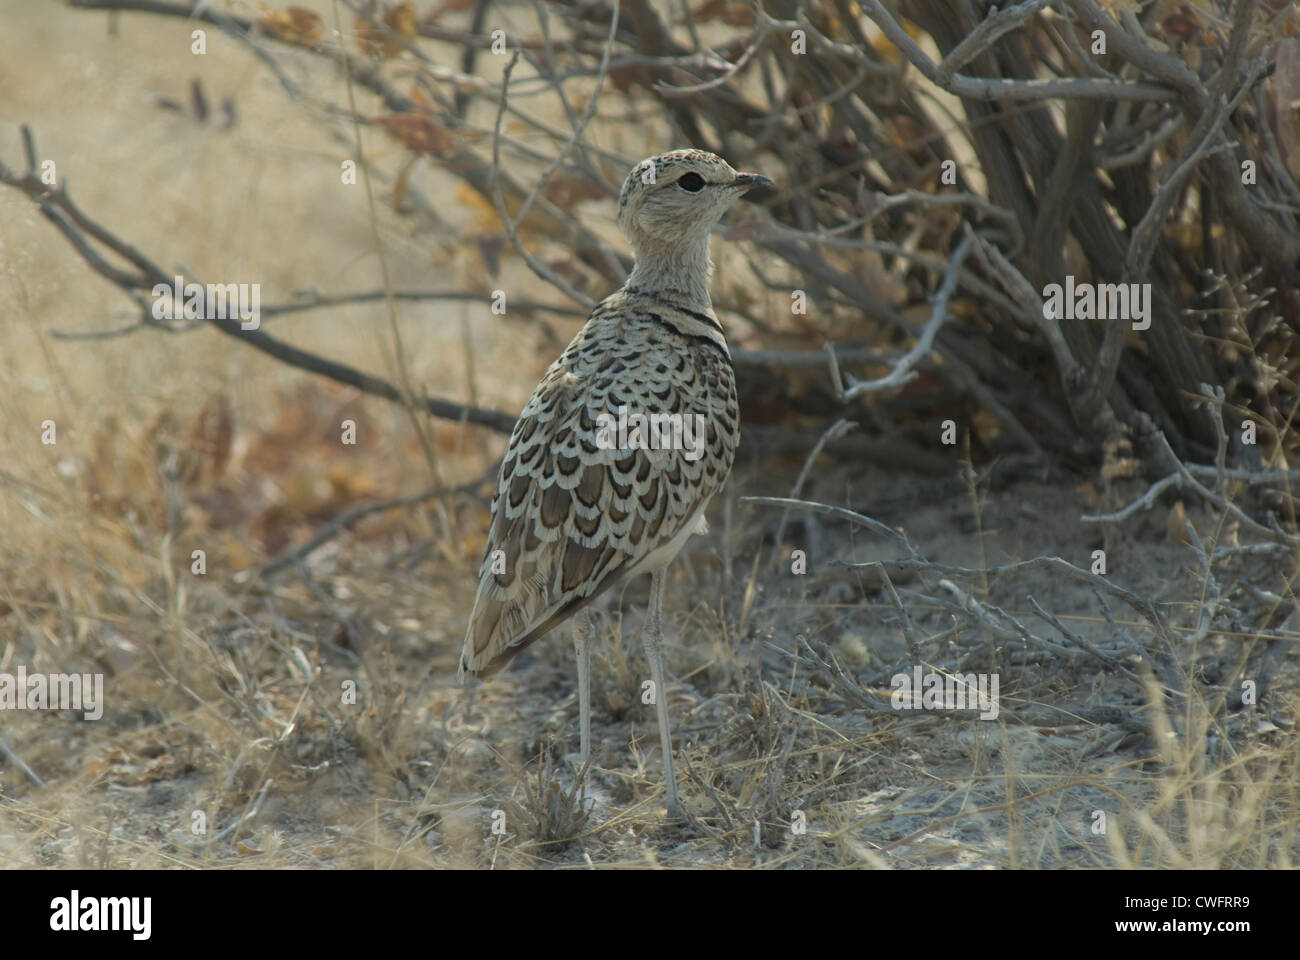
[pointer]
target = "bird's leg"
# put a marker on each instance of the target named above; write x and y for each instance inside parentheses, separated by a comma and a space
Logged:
(654, 642)
(583, 633)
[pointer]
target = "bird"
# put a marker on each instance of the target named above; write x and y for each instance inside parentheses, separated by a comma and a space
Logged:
(586, 501)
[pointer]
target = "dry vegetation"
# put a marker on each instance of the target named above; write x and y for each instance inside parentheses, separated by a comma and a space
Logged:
(1158, 696)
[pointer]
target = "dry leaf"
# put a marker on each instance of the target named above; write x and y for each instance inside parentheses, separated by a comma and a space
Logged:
(622, 79)
(489, 249)
(1176, 525)
(987, 427)
(731, 12)
(296, 25)
(346, 486)
(1120, 467)
(885, 48)
(1089, 494)
(418, 133)
(447, 6)
(1115, 465)
(400, 20)
(402, 186)
(564, 191)
(485, 218)
(209, 443)
(421, 98)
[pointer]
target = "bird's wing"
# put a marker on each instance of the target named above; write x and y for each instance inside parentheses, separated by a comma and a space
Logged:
(572, 518)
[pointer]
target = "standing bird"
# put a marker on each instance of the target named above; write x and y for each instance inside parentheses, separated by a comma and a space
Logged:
(580, 507)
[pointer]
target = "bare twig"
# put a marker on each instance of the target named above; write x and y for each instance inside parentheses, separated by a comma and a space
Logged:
(349, 518)
(1144, 502)
(1106, 658)
(754, 44)
(399, 356)
(1223, 503)
(311, 300)
(539, 268)
(902, 372)
(838, 429)
(991, 29)
(574, 138)
(977, 88)
(18, 762)
(59, 209)
(842, 512)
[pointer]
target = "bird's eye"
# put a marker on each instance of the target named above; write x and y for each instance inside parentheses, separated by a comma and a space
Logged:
(690, 182)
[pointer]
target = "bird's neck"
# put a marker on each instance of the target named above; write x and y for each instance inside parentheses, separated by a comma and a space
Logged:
(680, 272)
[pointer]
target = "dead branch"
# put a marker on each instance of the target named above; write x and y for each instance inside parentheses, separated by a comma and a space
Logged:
(79, 229)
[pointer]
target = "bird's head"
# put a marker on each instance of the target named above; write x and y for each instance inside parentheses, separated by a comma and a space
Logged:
(670, 202)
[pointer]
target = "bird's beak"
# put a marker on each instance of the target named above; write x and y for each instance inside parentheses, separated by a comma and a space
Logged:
(747, 181)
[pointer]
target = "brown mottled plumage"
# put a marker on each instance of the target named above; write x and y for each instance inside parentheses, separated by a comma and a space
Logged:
(575, 514)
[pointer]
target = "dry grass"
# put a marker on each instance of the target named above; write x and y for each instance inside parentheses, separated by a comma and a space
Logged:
(227, 693)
